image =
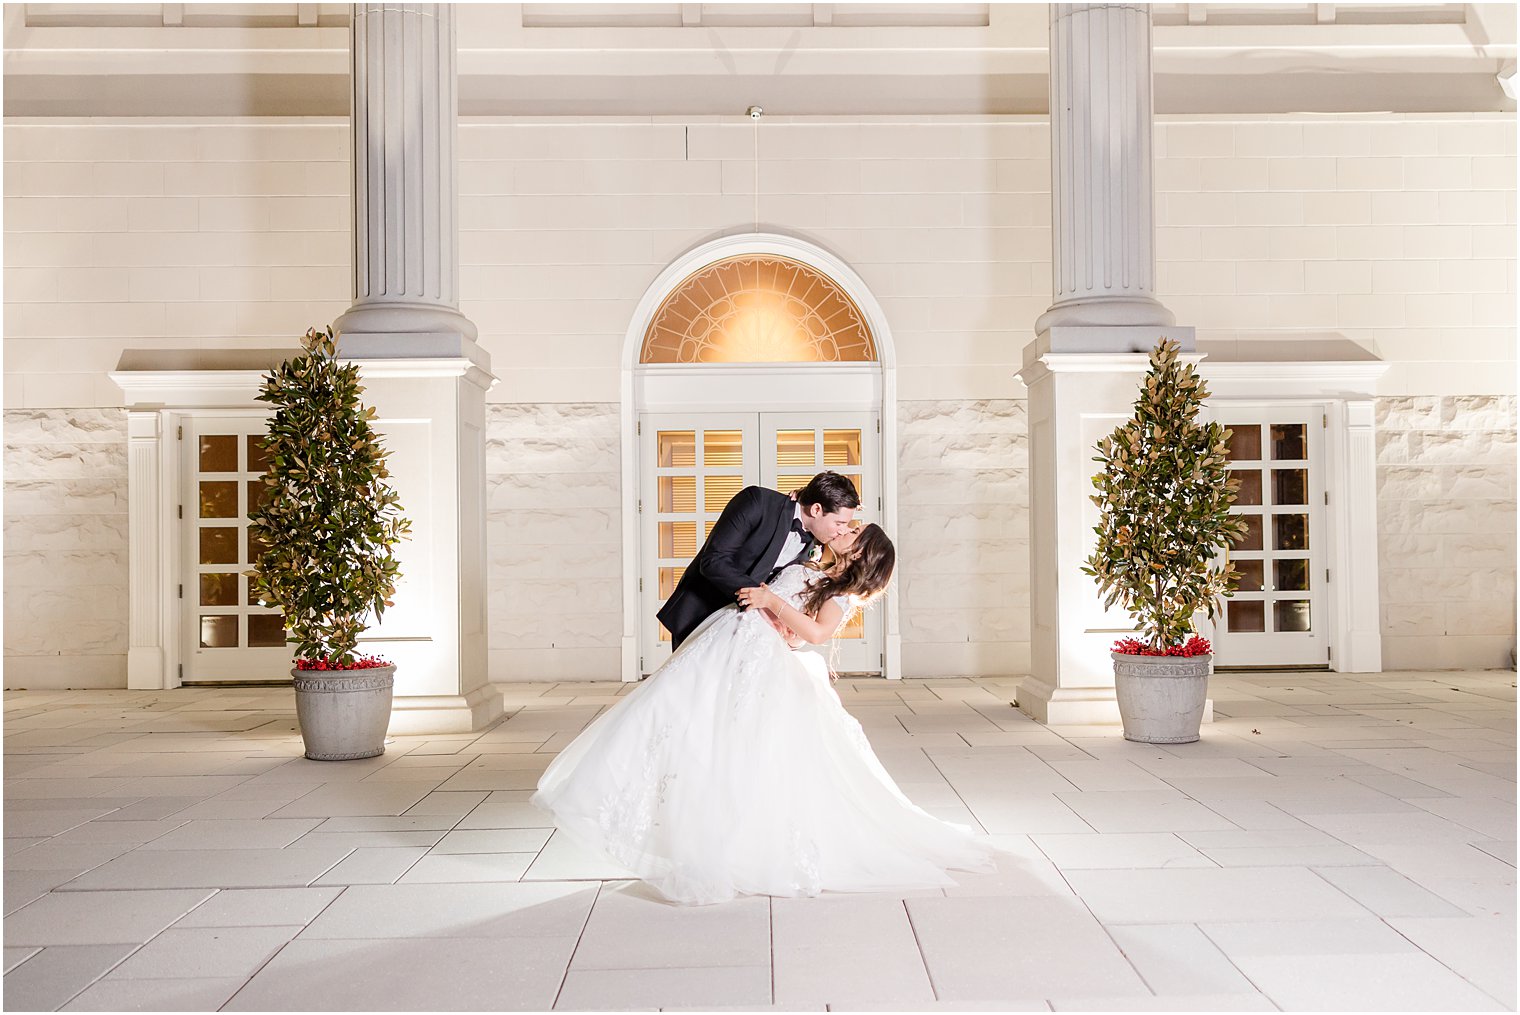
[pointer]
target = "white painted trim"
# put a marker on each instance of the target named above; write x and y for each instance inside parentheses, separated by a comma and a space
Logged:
(783, 387)
(189, 388)
(1362, 651)
(147, 562)
(1306, 379)
(158, 403)
(1345, 392)
(1350, 523)
(759, 387)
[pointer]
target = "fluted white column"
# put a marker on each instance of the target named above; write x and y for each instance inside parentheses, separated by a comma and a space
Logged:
(1087, 360)
(1102, 220)
(404, 125)
(422, 369)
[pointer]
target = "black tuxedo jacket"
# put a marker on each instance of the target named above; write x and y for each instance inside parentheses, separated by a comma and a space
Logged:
(740, 553)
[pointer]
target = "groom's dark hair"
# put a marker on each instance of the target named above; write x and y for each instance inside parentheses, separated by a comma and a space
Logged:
(830, 489)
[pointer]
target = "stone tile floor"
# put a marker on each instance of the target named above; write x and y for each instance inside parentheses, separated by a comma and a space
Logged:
(1333, 842)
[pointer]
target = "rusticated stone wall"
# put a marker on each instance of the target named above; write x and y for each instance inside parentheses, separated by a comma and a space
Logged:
(963, 537)
(1446, 524)
(553, 515)
(553, 532)
(1446, 503)
(66, 548)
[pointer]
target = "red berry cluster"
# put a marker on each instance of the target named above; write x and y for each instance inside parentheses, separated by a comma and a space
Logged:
(1194, 646)
(360, 663)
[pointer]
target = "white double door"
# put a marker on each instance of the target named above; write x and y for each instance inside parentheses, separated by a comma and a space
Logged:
(1279, 614)
(691, 465)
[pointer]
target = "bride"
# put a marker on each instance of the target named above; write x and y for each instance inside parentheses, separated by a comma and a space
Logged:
(735, 769)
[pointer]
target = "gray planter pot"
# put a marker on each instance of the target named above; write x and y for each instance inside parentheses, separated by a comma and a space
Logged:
(344, 713)
(1161, 698)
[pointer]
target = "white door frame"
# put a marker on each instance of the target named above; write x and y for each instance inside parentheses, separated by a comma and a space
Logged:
(1345, 391)
(760, 387)
(1316, 418)
(158, 403)
(253, 664)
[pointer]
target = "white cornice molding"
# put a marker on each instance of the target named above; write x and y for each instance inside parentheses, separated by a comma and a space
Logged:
(1305, 379)
(508, 69)
(189, 389)
(197, 389)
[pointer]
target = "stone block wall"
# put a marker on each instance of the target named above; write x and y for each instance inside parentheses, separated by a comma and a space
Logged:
(149, 235)
(963, 537)
(1446, 527)
(553, 531)
(66, 548)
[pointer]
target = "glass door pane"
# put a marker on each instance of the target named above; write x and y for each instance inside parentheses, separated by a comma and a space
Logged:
(798, 446)
(692, 465)
(1276, 617)
(697, 464)
(229, 635)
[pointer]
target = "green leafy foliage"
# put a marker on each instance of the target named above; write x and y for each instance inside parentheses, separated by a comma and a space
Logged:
(1164, 497)
(330, 523)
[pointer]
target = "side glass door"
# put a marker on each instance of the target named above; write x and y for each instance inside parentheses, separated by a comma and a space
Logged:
(691, 467)
(1278, 615)
(798, 446)
(227, 634)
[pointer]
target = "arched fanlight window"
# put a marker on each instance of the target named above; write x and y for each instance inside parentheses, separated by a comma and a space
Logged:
(758, 309)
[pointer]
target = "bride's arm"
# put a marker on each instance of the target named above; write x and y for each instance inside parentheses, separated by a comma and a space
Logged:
(787, 636)
(814, 630)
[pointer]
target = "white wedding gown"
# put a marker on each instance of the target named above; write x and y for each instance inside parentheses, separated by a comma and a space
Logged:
(734, 769)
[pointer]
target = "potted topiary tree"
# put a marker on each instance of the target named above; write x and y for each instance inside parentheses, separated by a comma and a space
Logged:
(1164, 499)
(329, 525)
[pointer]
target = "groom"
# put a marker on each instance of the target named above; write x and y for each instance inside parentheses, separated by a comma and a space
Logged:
(759, 532)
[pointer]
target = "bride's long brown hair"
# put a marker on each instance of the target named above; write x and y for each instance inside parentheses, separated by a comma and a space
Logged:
(863, 573)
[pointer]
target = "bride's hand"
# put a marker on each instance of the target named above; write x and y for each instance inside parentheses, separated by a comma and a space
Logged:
(759, 597)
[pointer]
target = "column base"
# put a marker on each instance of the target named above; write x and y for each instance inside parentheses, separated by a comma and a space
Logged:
(1106, 312)
(380, 317)
(145, 668)
(1067, 706)
(1363, 653)
(417, 715)
(1076, 706)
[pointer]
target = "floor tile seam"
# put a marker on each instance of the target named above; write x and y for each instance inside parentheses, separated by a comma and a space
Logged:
(1261, 992)
(1485, 852)
(579, 937)
(954, 789)
(249, 978)
(646, 967)
(1504, 1004)
(919, 946)
(1453, 820)
(108, 970)
(770, 942)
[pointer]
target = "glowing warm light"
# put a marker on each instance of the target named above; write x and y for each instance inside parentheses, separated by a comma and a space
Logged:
(758, 310)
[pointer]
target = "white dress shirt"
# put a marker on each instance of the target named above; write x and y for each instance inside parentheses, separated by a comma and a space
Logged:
(793, 544)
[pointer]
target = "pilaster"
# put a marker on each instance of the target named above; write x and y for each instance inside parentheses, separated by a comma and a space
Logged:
(149, 555)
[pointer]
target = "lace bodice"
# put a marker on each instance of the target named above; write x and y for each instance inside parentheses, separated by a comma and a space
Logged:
(793, 581)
